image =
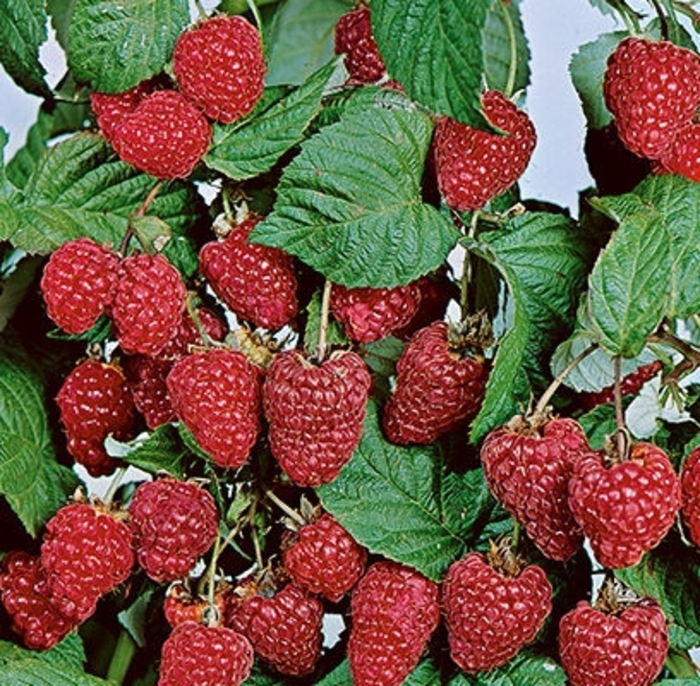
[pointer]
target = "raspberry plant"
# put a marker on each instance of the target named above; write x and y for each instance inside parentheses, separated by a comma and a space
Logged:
(398, 423)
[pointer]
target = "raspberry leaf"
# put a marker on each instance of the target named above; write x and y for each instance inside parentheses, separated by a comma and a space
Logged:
(525, 669)
(162, 451)
(349, 205)
(139, 36)
(254, 145)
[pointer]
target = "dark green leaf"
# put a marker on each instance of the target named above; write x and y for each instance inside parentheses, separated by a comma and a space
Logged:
(681, 638)
(349, 204)
(162, 451)
(138, 36)
(21, 166)
(340, 676)
(151, 232)
(15, 287)
(61, 12)
(525, 669)
(598, 424)
(434, 49)
(245, 149)
(134, 618)
(692, 681)
(22, 32)
(334, 332)
(425, 674)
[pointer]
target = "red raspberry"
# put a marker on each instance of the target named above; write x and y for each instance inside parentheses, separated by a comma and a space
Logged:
(87, 552)
(624, 508)
(219, 66)
(324, 558)
(690, 485)
(216, 395)
(474, 166)
(315, 413)
(109, 108)
(439, 387)
(527, 466)
(353, 37)
(683, 155)
(285, 629)
(181, 606)
(165, 136)
(198, 655)
(613, 649)
(94, 402)
(631, 384)
(79, 283)
(188, 335)
(394, 612)
(174, 523)
(491, 612)
(652, 89)
(368, 314)
(149, 303)
(26, 598)
(257, 282)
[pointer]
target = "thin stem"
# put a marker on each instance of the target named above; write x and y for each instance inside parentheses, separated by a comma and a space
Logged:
(140, 212)
(115, 484)
(513, 65)
(256, 545)
(323, 326)
(121, 658)
(200, 10)
(663, 21)
(619, 413)
(467, 269)
(691, 356)
(515, 538)
(680, 664)
(293, 514)
(256, 14)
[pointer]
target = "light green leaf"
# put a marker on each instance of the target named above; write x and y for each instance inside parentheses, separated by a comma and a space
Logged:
(251, 147)
(525, 669)
(162, 451)
(20, 167)
(22, 32)
(138, 36)
(349, 205)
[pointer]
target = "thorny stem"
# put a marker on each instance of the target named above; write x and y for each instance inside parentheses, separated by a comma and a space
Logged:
(513, 65)
(140, 212)
(121, 658)
(323, 326)
(293, 514)
(115, 484)
(622, 443)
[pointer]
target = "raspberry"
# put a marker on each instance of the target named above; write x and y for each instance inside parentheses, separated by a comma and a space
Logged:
(652, 89)
(188, 335)
(285, 629)
(165, 136)
(315, 413)
(181, 606)
(368, 314)
(174, 523)
(26, 598)
(94, 402)
(613, 649)
(79, 283)
(394, 612)
(631, 384)
(198, 655)
(690, 485)
(474, 166)
(324, 558)
(353, 36)
(86, 553)
(439, 387)
(527, 466)
(216, 395)
(219, 66)
(492, 611)
(149, 303)
(257, 282)
(110, 108)
(624, 508)
(683, 155)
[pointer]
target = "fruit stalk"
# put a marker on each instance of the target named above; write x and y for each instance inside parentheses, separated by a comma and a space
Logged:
(124, 651)
(513, 62)
(323, 326)
(622, 443)
(290, 512)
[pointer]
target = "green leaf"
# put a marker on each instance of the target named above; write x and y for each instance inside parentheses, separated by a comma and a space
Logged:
(425, 674)
(629, 284)
(61, 12)
(334, 333)
(525, 669)
(340, 676)
(22, 32)
(349, 205)
(138, 36)
(162, 451)
(434, 49)
(33, 483)
(20, 167)
(598, 424)
(135, 617)
(253, 146)
(300, 39)
(400, 502)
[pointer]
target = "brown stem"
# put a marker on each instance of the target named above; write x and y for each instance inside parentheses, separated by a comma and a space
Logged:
(290, 512)
(691, 356)
(140, 212)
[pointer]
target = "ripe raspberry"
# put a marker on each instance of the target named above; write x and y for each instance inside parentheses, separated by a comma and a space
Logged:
(527, 466)
(624, 508)
(492, 609)
(198, 655)
(324, 558)
(188, 335)
(219, 66)
(315, 413)
(149, 303)
(79, 283)
(257, 282)
(613, 649)
(285, 629)
(86, 553)
(216, 395)
(94, 402)
(683, 155)
(368, 314)
(165, 136)
(182, 606)
(652, 89)
(690, 485)
(26, 598)
(109, 108)
(353, 37)
(439, 387)
(631, 384)
(394, 612)
(474, 166)
(174, 523)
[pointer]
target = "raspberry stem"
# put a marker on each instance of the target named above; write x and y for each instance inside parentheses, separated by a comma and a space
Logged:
(289, 511)
(256, 15)
(513, 64)
(200, 10)
(122, 656)
(140, 212)
(323, 326)
(680, 664)
(114, 485)
(622, 442)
